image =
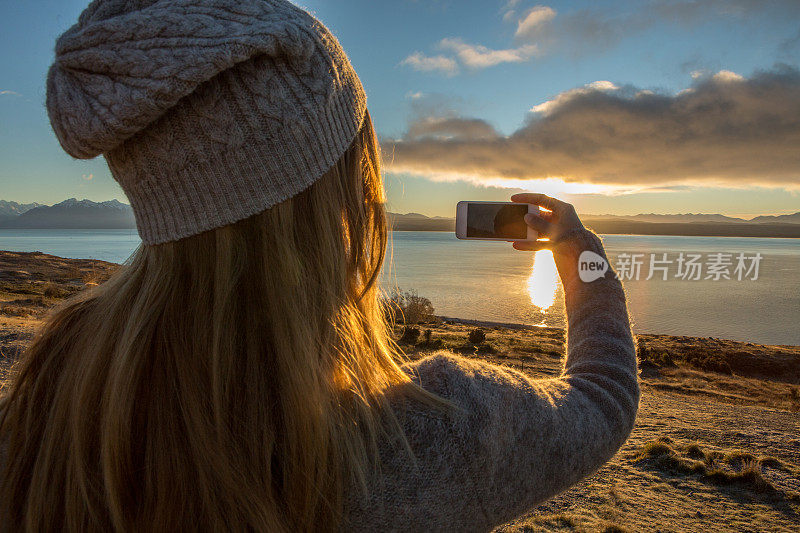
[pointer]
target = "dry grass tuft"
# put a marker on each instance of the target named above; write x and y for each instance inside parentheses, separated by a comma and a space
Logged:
(56, 292)
(733, 467)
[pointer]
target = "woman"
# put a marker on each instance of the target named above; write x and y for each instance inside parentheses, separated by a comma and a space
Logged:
(237, 374)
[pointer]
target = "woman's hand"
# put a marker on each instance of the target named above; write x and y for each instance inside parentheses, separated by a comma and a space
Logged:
(557, 222)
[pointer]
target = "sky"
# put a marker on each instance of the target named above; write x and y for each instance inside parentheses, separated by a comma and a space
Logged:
(619, 107)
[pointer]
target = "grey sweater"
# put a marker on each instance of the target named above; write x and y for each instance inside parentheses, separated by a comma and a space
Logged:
(521, 440)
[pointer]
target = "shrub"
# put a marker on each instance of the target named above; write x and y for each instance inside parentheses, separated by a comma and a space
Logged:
(476, 336)
(486, 348)
(409, 308)
(429, 342)
(710, 364)
(653, 357)
(55, 292)
(410, 335)
(642, 351)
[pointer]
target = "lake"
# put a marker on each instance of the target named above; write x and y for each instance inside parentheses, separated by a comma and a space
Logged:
(491, 281)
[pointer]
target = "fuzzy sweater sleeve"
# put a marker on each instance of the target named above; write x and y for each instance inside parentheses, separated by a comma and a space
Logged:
(519, 440)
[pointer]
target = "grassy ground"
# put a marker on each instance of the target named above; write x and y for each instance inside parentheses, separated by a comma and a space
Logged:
(716, 446)
(725, 371)
(717, 441)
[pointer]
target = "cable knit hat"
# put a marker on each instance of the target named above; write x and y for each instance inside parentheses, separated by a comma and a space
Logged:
(207, 111)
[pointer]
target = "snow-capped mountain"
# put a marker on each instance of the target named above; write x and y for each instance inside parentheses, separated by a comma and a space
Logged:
(74, 214)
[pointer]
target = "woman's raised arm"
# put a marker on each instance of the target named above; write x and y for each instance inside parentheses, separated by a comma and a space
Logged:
(520, 440)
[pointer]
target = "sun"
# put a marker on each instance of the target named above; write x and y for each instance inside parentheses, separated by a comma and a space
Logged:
(543, 281)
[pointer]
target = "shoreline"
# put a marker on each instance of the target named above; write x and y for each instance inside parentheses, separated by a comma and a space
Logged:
(535, 327)
(71, 275)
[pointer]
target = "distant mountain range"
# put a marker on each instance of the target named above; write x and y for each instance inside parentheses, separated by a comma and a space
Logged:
(85, 214)
(13, 209)
(71, 214)
(418, 222)
(692, 217)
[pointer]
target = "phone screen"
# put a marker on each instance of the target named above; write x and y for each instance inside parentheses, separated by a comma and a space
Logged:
(502, 221)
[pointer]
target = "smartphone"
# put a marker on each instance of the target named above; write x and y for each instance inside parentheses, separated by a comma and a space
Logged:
(495, 221)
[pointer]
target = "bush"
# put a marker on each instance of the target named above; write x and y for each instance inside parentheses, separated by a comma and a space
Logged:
(55, 292)
(486, 348)
(653, 357)
(642, 351)
(409, 308)
(410, 335)
(476, 336)
(429, 342)
(708, 363)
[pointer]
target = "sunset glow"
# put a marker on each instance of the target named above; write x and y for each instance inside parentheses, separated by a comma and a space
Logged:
(543, 281)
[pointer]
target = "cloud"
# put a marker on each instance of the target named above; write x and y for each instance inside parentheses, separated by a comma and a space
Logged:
(421, 62)
(598, 28)
(450, 128)
(509, 10)
(561, 99)
(727, 75)
(435, 116)
(541, 30)
(459, 54)
(470, 56)
(478, 56)
(529, 25)
(724, 130)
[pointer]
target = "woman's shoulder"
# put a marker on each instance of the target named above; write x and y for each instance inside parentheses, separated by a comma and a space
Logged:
(465, 381)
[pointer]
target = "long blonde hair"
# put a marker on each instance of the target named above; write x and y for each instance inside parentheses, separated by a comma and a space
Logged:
(233, 380)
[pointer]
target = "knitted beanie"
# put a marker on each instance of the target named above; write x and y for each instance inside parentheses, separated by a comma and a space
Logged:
(207, 111)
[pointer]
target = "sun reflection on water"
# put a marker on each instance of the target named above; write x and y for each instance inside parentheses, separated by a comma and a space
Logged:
(543, 281)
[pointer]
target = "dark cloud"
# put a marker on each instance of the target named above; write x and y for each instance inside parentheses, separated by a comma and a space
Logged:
(450, 128)
(437, 116)
(723, 130)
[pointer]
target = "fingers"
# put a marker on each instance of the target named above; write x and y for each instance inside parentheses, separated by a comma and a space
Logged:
(540, 199)
(531, 246)
(538, 223)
